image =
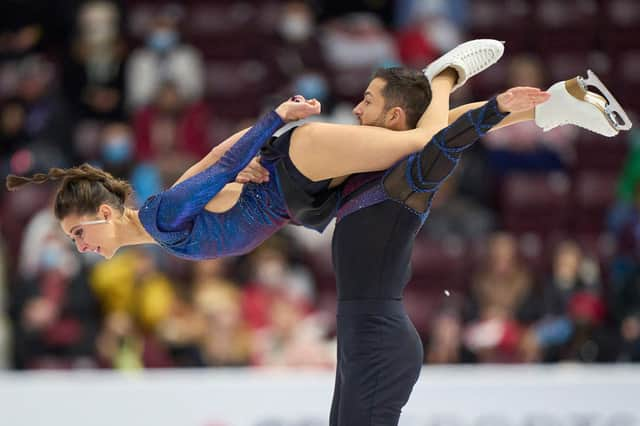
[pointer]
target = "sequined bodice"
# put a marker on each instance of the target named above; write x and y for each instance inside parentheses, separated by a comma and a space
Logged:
(258, 214)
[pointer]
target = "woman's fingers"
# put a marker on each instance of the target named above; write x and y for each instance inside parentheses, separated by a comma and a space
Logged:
(522, 98)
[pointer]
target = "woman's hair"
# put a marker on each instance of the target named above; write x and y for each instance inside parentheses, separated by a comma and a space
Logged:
(82, 191)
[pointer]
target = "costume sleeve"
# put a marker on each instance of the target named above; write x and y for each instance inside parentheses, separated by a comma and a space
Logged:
(181, 203)
(415, 179)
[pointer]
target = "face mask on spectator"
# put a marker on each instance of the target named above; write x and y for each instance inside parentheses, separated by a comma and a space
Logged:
(312, 86)
(99, 22)
(162, 40)
(117, 150)
(295, 28)
(51, 257)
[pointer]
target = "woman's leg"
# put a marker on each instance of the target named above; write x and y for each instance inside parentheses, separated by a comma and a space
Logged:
(436, 116)
(324, 151)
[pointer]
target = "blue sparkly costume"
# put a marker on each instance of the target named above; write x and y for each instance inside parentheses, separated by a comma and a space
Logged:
(176, 218)
(379, 351)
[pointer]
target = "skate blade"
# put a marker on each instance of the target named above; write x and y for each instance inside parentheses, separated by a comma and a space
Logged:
(613, 110)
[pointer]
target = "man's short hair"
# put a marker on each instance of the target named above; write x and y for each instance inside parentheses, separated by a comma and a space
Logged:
(406, 88)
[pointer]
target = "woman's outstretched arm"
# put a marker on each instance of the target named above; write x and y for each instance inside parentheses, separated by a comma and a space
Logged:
(516, 117)
(187, 198)
(212, 157)
(258, 174)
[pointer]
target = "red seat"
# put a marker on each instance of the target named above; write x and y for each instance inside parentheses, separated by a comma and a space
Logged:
(237, 86)
(577, 15)
(535, 203)
(219, 18)
(594, 193)
(564, 63)
(439, 264)
(595, 152)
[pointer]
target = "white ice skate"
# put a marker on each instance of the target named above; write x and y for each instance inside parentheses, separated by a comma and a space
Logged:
(572, 103)
(468, 59)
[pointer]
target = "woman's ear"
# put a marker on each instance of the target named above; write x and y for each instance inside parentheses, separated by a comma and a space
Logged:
(105, 211)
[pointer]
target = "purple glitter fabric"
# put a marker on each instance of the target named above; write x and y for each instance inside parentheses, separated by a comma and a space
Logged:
(368, 198)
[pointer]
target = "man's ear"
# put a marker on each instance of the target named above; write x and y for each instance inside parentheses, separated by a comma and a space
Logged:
(397, 118)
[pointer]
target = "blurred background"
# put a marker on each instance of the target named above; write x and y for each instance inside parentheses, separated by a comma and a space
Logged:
(536, 236)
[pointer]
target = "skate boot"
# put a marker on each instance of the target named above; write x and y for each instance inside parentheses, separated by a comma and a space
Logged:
(572, 103)
(468, 59)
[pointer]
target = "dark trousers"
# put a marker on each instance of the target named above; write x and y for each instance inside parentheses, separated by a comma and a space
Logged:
(379, 360)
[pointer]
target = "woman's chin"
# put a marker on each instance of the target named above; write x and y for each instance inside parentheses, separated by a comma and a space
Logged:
(108, 254)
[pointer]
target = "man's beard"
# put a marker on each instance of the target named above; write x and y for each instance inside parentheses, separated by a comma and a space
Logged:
(378, 122)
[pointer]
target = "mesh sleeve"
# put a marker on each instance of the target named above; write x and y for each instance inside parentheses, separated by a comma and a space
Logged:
(415, 179)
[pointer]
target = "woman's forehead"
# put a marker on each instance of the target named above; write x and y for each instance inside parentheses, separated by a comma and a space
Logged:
(71, 222)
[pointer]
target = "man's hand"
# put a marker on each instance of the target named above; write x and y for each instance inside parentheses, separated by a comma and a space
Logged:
(298, 108)
(521, 99)
(254, 172)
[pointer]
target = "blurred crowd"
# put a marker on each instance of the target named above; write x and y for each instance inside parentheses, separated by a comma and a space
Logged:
(530, 254)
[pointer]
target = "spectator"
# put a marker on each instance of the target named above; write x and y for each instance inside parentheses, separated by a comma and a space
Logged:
(444, 345)
(205, 326)
(293, 337)
(273, 275)
(227, 340)
(277, 306)
(13, 134)
(626, 311)
(624, 212)
(526, 147)
(54, 312)
(171, 127)
(135, 299)
(5, 339)
(301, 49)
(36, 120)
(499, 291)
(354, 45)
(94, 71)
(163, 59)
(573, 312)
(117, 149)
(21, 29)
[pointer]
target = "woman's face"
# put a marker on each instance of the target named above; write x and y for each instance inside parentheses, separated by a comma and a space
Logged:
(92, 233)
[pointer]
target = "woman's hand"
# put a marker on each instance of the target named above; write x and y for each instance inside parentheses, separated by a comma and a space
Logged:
(254, 172)
(519, 99)
(298, 108)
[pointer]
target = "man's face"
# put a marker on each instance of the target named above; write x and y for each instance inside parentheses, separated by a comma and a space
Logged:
(371, 109)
